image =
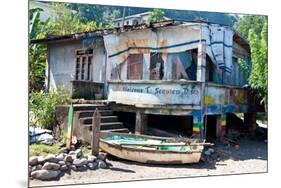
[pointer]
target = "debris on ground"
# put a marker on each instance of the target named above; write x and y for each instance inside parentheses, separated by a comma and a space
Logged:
(42, 136)
(52, 166)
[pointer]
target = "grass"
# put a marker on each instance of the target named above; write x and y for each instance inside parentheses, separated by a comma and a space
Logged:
(43, 150)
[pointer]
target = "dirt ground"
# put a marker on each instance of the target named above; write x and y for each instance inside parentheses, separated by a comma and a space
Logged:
(251, 157)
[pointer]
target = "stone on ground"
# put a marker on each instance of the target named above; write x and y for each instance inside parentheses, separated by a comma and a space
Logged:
(51, 166)
(45, 174)
(51, 158)
(80, 162)
(33, 160)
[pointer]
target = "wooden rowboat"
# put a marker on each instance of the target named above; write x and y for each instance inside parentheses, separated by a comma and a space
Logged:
(151, 149)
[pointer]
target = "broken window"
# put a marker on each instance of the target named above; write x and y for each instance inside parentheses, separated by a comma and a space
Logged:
(156, 66)
(182, 65)
(83, 65)
(134, 69)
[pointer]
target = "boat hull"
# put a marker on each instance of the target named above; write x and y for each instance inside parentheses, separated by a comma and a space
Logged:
(151, 156)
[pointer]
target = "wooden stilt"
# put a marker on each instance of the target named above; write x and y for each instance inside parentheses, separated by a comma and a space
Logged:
(141, 122)
(96, 133)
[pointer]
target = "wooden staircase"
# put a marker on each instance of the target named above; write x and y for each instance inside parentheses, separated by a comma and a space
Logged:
(83, 114)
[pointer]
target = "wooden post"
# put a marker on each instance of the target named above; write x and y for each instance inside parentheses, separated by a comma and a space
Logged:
(218, 127)
(197, 125)
(223, 126)
(96, 132)
(69, 127)
(141, 122)
(250, 121)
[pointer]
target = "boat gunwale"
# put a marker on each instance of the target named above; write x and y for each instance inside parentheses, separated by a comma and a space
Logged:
(121, 147)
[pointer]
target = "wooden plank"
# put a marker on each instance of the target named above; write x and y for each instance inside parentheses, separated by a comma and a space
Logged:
(96, 133)
(69, 127)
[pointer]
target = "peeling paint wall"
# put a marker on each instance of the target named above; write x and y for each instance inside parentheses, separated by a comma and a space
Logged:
(61, 64)
(99, 62)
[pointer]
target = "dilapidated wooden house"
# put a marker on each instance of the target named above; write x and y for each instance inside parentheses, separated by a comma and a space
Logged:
(166, 75)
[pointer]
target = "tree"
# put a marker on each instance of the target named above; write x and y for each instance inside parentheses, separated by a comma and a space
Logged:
(247, 23)
(156, 15)
(254, 28)
(37, 52)
(66, 21)
(258, 78)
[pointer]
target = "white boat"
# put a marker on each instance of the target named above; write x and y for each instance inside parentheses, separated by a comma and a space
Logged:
(151, 149)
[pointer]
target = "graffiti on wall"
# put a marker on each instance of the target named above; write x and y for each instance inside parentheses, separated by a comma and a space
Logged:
(168, 93)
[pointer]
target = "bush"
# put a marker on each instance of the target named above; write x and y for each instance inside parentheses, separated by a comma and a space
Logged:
(42, 107)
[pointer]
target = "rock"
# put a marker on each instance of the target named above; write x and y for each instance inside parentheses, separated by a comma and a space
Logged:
(33, 161)
(68, 163)
(61, 156)
(63, 168)
(61, 163)
(91, 158)
(82, 168)
(73, 167)
(93, 165)
(72, 148)
(41, 160)
(37, 167)
(71, 153)
(102, 156)
(78, 153)
(68, 158)
(80, 162)
(51, 166)
(64, 150)
(211, 150)
(51, 158)
(45, 174)
(102, 164)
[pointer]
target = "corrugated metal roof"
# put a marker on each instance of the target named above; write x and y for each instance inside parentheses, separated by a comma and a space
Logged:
(101, 32)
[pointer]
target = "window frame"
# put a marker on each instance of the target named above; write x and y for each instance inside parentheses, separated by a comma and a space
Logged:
(83, 65)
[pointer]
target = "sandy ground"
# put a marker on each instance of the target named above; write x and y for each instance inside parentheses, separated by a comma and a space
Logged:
(251, 157)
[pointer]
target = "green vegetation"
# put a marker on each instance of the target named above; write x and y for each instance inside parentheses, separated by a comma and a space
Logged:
(43, 150)
(255, 30)
(156, 15)
(42, 107)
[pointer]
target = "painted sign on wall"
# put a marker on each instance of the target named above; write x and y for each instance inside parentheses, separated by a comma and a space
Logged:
(150, 93)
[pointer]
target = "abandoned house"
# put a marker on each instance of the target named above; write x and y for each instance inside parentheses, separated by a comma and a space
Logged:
(167, 76)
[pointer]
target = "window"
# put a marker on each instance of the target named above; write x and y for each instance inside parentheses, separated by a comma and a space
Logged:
(182, 65)
(83, 65)
(134, 69)
(156, 66)
(127, 23)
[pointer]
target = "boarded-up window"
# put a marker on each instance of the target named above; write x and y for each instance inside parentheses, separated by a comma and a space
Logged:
(83, 65)
(134, 69)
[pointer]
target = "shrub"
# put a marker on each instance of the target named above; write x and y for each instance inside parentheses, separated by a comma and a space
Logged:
(42, 107)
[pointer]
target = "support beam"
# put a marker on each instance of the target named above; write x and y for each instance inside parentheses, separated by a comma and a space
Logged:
(201, 63)
(141, 123)
(220, 130)
(222, 126)
(197, 125)
(250, 122)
